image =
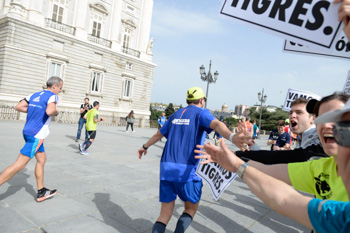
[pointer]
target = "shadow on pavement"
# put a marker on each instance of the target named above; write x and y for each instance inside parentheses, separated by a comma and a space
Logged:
(17, 182)
(114, 216)
(269, 222)
(71, 137)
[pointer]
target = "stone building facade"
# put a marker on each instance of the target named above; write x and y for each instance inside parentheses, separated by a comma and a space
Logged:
(100, 48)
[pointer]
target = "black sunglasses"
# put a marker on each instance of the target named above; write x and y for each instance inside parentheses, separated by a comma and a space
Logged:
(341, 132)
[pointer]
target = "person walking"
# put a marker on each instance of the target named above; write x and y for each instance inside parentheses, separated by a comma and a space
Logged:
(130, 120)
(184, 129)
(161, 121)
(40, 107)
(84, 108)
(92, 117)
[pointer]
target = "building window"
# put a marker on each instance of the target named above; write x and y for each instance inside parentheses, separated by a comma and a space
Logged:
(56, 69)
(96, 29)
(128, 66)
(57, 10)
(127, 88)
(96, 81)
(97, 24)
(127, 36)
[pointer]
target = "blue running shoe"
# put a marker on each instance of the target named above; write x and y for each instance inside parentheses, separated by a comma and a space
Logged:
(84, 152)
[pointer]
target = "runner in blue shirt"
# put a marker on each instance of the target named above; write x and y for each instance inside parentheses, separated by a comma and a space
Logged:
(184, 130)
(39, 107)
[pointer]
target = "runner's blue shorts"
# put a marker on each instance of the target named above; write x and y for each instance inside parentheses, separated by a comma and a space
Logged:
(32, 146)
(189, 191)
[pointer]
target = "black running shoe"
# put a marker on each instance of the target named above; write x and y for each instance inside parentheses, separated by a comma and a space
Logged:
(45, 193)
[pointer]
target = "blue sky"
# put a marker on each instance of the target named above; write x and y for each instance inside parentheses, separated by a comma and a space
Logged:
(190, 33)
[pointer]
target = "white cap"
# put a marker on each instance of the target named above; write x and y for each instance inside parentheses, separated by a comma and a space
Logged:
(333, 116)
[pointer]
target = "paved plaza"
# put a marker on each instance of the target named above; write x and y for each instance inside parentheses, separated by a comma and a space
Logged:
(111, 190)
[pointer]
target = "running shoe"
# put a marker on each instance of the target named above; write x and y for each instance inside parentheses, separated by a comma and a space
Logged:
(44, 194)
(84, 152)
(81, 146)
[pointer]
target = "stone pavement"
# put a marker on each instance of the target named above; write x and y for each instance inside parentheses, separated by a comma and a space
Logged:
(111, 190)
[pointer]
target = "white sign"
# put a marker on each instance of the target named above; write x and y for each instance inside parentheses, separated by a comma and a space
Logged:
(216, 176)
(305, 21)
(346, 88)
(293, 94)
(337, 50)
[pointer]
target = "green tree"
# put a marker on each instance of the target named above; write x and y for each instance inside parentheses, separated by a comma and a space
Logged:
(268, 119)
(232, 122)
(169, 110)
(154, 114)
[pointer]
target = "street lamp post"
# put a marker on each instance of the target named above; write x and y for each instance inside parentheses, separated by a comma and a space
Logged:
(262, 99)
(208, 77)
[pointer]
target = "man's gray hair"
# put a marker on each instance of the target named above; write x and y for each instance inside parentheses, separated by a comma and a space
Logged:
(54, 80)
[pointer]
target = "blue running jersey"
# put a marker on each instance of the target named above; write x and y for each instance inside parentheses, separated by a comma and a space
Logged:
(38, 122)
(184, 130)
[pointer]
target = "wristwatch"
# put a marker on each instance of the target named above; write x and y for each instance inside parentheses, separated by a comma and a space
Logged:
(143, 146)
(241, 170)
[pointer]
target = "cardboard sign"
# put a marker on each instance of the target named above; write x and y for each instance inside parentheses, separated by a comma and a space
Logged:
(338, 49)
(293, 94)
(307, 21)
(346, 88)
(216, 177)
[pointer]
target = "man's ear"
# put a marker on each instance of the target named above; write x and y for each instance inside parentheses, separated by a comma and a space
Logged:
(312, 119)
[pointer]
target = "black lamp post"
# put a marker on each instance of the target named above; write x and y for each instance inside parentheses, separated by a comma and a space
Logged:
(208, 77)
(262, 99)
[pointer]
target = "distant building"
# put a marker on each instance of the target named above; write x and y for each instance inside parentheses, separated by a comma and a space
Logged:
(223, 113)
(240, 110)
(269, 108)
(101, 49)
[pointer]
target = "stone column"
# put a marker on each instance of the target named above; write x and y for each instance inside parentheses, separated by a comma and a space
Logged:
(35, 12)
(6, 8)
(115, 26)
(145, 28)
(80, 19)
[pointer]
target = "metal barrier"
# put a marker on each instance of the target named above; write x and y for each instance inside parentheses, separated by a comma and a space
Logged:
(8, 113)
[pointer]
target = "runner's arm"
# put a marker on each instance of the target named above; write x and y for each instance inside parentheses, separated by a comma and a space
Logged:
(22, 106)
(51, 109)
(155, 138)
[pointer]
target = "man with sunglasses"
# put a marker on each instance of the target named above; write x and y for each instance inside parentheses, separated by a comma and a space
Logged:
(186, 128)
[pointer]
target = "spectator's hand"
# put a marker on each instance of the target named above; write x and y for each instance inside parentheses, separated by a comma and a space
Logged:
(141, 152)
(226, 158)
(274, 142)
(287, 147)
(103, 119)
(344, 15)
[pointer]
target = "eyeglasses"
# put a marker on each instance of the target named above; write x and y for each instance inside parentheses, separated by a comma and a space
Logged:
(341, 132)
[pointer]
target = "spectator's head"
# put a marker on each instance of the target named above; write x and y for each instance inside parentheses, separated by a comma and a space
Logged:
(254, 121)
(300, 120)
(340, 119)
(280, 126)
(330, 104)
(86, 100)
(195, 96)
(286, 122)
(247, 118)
(55, 84)
(163, 113)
